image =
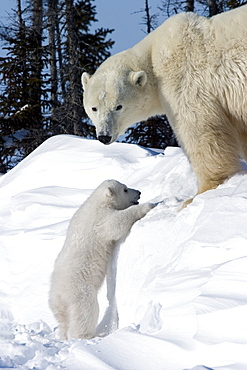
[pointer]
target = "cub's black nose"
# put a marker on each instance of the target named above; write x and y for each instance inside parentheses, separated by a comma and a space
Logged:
(105, 139)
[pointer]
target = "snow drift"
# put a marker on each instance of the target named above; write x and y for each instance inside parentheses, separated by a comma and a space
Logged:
(177, 286)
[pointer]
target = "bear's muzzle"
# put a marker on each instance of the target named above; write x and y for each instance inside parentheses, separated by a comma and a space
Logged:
(105, 139)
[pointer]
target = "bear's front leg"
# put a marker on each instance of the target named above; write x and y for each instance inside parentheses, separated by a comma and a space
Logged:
(123, 220)
(214, 158)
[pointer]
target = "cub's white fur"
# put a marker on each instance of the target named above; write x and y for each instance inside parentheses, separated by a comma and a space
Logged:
(106, 217)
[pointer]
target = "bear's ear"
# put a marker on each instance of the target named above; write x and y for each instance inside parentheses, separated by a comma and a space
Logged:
(110, 191)
(138, 78)
(84, 79)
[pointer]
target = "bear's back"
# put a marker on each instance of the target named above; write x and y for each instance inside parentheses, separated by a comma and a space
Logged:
(231, 25)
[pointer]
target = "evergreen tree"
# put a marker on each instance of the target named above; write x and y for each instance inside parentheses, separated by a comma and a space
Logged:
(81, 51)
(23, 92)
(41, 92)
(155, 132)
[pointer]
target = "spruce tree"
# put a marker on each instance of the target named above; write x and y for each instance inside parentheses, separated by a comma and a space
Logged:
(41, 93)
(83, 50)
(22, 92)
(155, 132)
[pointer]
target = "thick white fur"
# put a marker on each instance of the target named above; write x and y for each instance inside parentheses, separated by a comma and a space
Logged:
(196, 73)
(106, 217)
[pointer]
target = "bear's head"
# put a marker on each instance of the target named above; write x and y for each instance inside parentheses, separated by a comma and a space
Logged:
(119, 196)
(115, 97)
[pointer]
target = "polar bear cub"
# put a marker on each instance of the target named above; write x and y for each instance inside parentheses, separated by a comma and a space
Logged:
(80, 268)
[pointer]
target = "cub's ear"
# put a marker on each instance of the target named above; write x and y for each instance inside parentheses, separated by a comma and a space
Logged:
(84, 79)
(138, 78)
(110, 191)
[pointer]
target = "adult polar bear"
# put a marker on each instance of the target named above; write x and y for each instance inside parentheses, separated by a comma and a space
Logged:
(194, 70)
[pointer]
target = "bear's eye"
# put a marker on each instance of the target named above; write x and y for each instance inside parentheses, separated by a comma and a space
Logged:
(119, 107)
(126, 190)
(94, 109)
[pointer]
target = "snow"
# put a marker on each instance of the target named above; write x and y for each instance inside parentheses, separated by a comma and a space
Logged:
(177, 286)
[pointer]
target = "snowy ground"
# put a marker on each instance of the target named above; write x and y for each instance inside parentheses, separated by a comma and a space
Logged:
(178, 283)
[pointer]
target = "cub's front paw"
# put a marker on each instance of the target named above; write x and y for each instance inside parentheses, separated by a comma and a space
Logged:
(147, 207)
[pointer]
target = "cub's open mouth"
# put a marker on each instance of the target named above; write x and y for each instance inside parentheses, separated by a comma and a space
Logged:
(135, 202)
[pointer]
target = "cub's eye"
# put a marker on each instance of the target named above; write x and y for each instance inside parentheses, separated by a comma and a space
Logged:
(94, 109)
(126, 190)
(119, 107)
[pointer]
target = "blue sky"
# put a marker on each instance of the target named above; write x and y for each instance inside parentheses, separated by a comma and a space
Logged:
(117, 14)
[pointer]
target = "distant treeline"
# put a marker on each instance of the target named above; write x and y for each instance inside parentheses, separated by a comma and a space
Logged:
(47, 45)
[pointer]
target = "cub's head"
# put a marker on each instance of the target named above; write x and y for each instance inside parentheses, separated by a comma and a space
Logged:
(114, 98)
(119, 196)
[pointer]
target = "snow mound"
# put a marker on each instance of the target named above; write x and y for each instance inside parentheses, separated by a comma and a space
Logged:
(176, 288)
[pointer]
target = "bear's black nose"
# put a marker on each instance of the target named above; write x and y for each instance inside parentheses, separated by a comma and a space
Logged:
(105, 139)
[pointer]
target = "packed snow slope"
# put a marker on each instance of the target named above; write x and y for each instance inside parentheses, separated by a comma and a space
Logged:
(176, 287)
